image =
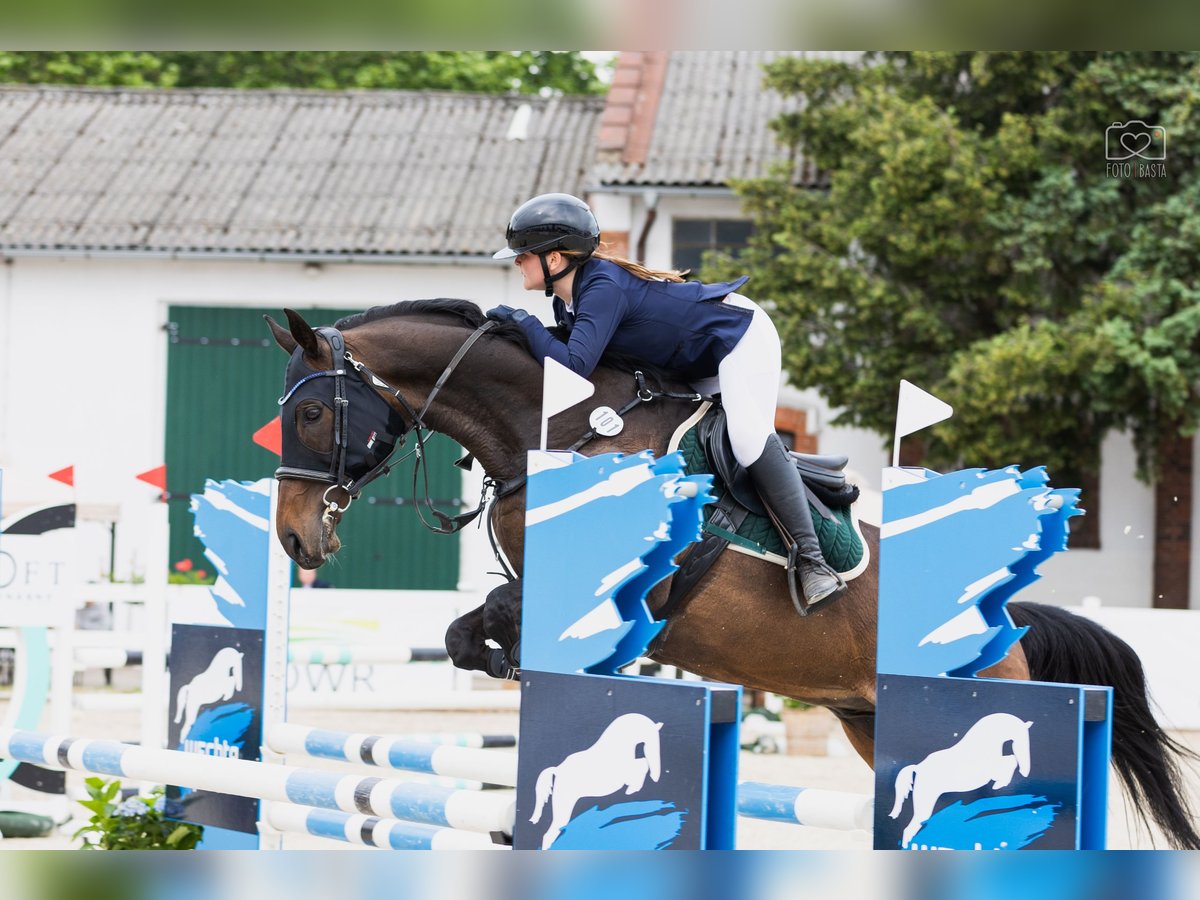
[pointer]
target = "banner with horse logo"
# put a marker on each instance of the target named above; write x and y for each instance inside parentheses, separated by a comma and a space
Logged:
(216, 689)
(622, 763)
(967, 764)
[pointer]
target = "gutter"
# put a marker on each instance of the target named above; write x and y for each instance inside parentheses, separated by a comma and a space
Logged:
(651, 198)
(252, 256)
(667, 190)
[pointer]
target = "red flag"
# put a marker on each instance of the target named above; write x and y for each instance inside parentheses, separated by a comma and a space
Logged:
(66, 476)
(270, 437)
(156, 477)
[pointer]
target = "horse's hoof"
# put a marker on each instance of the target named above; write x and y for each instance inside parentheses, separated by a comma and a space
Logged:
(498, 666)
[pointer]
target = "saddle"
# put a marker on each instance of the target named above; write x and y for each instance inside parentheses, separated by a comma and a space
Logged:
(823, 475)
(739, 508)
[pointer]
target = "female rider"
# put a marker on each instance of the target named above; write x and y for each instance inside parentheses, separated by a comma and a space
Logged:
(713, 337)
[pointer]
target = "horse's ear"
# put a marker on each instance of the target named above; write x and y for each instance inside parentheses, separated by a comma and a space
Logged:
(282, 336)
(303, 333)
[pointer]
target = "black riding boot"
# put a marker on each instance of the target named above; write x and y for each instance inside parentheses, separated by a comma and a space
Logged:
(782, 491)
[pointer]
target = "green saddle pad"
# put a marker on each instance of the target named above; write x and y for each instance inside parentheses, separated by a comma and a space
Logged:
(840, 541)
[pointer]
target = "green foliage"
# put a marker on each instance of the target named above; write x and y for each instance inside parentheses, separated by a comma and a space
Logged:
(968, 236)
(138, 823)
(484, 71)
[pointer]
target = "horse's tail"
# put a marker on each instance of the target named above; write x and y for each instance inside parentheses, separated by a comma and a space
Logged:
(1075, 650)
(904, 786)
(541, 792)
(180, 699)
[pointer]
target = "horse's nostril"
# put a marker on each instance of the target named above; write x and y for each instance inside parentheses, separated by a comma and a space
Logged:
(293, 546)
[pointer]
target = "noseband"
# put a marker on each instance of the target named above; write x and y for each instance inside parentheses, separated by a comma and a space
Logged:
(363, 443)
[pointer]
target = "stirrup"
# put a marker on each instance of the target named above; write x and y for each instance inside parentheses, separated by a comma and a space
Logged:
(799, 601)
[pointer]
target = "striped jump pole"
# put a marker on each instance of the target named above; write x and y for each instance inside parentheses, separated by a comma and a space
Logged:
(386, 797)
(478, 700)
(463, 739)
(106, 657)
(372, 831)
(315, 654)
(818, 808)
(396, 752)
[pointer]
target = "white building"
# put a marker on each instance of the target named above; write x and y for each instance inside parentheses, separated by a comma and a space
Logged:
(135, 225)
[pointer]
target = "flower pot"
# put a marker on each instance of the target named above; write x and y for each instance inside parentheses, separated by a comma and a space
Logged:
(808, 730)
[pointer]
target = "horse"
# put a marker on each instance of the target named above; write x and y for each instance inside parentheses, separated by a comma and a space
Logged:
(738, 624)
(609, 765)
(220, 681)
(975, 760)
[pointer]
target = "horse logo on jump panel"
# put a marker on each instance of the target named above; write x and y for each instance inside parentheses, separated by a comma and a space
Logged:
(220, 681)
(978, 758)
(610, 764)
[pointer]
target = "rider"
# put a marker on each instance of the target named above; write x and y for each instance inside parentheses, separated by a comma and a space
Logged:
(710, 335)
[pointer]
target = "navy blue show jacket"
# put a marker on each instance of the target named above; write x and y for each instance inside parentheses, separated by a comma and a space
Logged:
(682, 327)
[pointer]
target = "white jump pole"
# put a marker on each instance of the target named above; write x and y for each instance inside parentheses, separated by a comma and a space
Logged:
(838, 810)
(372, 831)
(487, 812)
(397, 752)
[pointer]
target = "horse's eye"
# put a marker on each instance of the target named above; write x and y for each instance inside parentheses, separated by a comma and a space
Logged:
(312, 413)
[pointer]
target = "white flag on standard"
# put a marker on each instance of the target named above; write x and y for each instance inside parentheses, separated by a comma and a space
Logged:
(915, 410)
(561, 389)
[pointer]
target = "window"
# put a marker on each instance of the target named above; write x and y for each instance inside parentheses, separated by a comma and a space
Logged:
(692, 237)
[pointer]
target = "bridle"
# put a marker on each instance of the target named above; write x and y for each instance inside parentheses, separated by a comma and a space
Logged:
(350, 469)
(364, 446)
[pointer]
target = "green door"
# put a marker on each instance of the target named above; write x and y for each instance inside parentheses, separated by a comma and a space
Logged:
(224, 376)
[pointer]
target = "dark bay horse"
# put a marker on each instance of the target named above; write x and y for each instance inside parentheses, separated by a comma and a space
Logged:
(738, 626)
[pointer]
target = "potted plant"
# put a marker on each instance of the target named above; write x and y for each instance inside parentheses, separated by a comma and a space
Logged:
(807, 728)
(134, 823)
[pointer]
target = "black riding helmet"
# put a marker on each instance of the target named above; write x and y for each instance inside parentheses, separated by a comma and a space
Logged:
(552, 222)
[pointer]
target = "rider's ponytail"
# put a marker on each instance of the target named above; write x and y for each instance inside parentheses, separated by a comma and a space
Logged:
(635, 268)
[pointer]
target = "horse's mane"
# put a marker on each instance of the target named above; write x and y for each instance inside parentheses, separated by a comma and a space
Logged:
(469, 316)
(464, 312)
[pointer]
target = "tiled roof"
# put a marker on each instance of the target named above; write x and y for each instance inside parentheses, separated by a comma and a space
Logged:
(300, 172)
(710, 125)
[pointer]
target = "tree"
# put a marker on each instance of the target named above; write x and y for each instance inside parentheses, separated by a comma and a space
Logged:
(490, 71)
(971, 237)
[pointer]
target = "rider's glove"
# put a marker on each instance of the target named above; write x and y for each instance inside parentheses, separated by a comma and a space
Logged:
(506, 314)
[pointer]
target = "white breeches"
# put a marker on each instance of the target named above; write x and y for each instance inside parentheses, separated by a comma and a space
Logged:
(748, 379)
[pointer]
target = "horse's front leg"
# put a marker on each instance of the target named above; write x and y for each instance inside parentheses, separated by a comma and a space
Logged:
(502, 620)
(467, 645)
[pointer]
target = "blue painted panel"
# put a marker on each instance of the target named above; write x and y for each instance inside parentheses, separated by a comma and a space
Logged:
(232, 521)
(954, 549)
(224, 839)
(600, 533)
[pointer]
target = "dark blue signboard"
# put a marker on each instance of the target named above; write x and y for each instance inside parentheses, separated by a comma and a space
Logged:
(986, 764)
(216, 709)
(622, 763)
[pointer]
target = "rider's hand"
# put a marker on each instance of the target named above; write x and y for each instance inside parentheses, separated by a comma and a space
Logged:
(506, 314)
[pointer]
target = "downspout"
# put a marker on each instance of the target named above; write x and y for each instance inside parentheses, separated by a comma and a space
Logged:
(6, 318)
(651, 201)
